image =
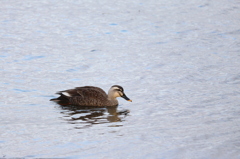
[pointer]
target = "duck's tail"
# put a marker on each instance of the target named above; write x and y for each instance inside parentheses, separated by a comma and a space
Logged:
(62, 99)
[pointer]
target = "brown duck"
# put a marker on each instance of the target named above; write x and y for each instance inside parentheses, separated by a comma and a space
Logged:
(91, 96)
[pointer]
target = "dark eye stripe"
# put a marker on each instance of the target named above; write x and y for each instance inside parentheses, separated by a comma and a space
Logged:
(119, 94)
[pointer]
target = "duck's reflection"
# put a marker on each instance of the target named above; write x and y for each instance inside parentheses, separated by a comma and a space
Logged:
(87, 116)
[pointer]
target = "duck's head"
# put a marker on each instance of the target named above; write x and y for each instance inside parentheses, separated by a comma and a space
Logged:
(117, 91)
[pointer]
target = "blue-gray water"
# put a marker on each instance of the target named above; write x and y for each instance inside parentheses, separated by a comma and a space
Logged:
(179, 61)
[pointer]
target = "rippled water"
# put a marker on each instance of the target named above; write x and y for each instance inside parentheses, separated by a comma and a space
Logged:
(178, 61)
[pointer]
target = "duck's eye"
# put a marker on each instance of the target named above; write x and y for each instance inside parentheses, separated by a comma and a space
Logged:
(119, 90)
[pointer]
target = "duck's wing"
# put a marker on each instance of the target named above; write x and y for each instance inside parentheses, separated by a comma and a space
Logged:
(84, 92)
(68, 93)
(84, 96)
(87, 95)
(91, 92)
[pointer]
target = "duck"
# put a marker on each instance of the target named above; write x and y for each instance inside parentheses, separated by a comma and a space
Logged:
(91, 96)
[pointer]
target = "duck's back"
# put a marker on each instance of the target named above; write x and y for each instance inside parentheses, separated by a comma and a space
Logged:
(86, 96)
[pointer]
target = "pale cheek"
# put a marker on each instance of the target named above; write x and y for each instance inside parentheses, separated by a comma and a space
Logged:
(116, 94)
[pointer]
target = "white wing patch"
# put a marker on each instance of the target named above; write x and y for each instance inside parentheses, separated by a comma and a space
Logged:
(66, 94)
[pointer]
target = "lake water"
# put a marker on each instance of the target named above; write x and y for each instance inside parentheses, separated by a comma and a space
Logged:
(179, 61)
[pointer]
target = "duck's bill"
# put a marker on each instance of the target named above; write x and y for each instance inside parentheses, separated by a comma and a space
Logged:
(125, 97)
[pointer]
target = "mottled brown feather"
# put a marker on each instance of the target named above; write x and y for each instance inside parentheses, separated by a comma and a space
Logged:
(91, 96)
(87, 96)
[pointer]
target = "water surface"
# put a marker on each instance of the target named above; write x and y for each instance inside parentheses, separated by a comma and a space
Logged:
(178, 61)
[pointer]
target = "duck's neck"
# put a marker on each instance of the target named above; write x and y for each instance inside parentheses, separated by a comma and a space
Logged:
(112, 100)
